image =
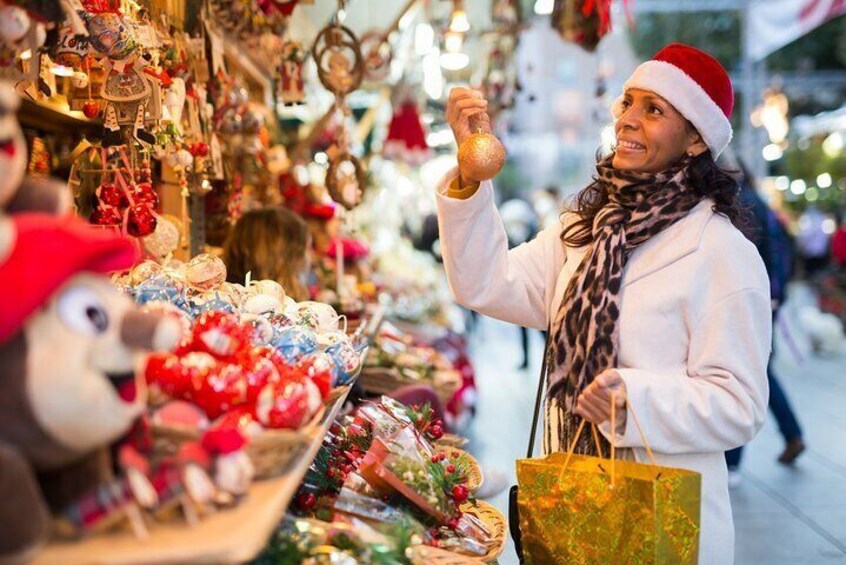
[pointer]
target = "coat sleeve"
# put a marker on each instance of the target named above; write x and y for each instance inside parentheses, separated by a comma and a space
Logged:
(720, 400)
(514, 285)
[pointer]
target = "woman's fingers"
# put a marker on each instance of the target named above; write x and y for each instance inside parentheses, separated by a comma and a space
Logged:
(594, 410)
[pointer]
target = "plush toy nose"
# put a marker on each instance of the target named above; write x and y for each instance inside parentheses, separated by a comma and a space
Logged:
(145, 330)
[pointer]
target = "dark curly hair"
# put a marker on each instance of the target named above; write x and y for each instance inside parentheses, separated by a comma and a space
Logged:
(703, 175)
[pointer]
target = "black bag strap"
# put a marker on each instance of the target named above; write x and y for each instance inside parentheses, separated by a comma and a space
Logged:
(539, 398)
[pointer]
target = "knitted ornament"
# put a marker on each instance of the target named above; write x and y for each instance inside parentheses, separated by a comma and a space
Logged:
(697, 86)
(406, 139)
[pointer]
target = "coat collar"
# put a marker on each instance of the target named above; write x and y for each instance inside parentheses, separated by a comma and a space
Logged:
(677, 241)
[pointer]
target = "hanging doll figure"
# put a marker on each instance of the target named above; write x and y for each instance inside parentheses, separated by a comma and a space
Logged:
(126, 89)
(291, 83)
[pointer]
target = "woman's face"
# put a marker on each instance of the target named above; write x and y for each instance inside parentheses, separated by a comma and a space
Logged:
(651, 134)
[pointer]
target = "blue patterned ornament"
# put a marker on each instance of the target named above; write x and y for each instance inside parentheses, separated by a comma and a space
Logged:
(293, 342)
(158, 287)
(347, 360)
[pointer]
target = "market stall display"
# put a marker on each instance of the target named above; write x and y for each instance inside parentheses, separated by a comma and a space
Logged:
(167, 121)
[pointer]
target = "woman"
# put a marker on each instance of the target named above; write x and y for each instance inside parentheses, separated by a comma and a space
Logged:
(270, 243)
(647, 287)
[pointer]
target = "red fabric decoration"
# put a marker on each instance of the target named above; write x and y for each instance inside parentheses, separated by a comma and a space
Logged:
(353, 249)
(406, 137)
(48, 251)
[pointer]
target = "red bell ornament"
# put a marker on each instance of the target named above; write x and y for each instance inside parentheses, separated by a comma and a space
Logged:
(144, 193)
(106, 216)
(142, 220)
(112, 195)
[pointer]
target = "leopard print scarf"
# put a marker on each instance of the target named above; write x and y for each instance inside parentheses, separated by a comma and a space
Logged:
(585, 330)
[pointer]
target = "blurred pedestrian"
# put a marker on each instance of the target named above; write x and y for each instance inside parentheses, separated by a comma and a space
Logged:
(776, 248)
(813, 241)
(838, 242)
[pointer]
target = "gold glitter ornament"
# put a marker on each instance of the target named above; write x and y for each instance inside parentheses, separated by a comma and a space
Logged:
(480, 156)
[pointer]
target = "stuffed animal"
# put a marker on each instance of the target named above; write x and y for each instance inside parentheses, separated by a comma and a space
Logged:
(17, 193)
(70, 348)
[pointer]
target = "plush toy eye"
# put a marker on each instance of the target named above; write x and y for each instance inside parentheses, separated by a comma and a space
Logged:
(81, 310)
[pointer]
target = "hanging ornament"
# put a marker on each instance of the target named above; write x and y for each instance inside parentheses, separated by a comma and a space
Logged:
(14, 23)
(584, 22)
(345, 178)
(480, 156)
(340, 66)
(505, 12)
(283, 7)
(290, 83)
(164, 240)
(406, 140)
(72, 47)
(377, 55)
(79, 79)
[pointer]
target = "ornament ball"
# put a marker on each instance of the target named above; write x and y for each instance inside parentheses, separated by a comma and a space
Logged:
(481, 157)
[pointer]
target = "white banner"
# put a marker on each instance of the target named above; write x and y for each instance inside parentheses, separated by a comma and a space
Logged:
(775, 23)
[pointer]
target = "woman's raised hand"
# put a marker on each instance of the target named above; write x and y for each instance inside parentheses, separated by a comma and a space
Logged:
(463, 102)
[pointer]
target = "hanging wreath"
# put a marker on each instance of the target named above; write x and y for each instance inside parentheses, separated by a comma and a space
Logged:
(377, 55)
(345, 180)
(340, 65)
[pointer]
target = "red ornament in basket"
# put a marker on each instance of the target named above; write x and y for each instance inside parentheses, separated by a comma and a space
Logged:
(219, 370)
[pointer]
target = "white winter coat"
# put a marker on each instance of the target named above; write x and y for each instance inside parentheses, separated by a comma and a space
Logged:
(695, 330)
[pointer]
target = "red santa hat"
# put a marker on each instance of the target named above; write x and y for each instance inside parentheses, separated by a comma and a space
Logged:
(47, 251)
(696, 84)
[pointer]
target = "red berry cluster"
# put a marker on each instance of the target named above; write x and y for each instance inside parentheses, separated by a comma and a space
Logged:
(423, 417)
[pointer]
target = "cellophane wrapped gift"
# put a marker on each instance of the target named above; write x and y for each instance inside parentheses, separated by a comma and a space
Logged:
(574, 515)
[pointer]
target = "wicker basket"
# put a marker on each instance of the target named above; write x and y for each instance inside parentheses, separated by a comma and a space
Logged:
(475, 478)
(427, 555)
(385, 380)
(494, 521)
(452, 440)
(271, 451)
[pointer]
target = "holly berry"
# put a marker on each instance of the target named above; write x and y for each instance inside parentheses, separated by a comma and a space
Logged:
(435, 459)
(142, 221)
(91, 110)
(460, 493)
(436, 431)
(453, 523)
(346, 469)
(143, 193)
(450, 469)
(330, 473)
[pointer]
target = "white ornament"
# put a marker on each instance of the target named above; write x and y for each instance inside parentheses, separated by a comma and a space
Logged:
(79, 79)
(14, 23)
(184, 158)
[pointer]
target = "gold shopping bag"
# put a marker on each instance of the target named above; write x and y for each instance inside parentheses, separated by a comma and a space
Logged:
(577, 509)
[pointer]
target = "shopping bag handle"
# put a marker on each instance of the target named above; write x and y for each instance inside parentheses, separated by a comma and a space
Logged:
(572, 447)
(539, 397)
